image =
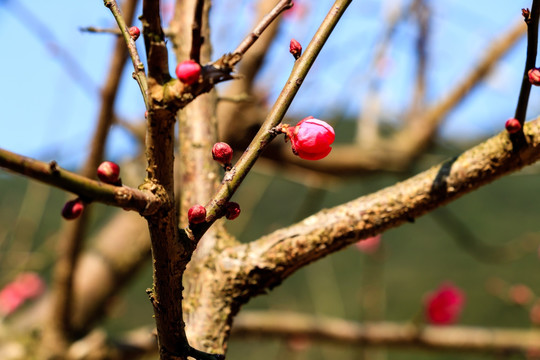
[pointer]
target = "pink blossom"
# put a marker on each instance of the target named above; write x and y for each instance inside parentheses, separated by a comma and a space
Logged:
(311, 138)
(26, 286)
(444, 305)
(29, 285)
(10, 299)
(369, 245)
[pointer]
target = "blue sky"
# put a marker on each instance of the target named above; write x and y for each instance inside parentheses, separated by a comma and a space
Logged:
(48, 115)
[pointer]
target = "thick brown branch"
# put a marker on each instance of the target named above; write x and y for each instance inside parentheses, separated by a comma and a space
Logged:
(286, 325)
(274, 257)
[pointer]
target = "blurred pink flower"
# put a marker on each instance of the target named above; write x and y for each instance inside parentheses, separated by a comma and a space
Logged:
(29, 285)
(444, 305)
(26, 286)
(10, 299)
(369, 245)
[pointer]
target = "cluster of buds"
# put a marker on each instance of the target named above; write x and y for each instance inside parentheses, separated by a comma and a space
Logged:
(534, 76)
(512, 126)
(26, 286)
(188, 72)
(134, 32)
(197, 213)
(444, 306)
(310, 138)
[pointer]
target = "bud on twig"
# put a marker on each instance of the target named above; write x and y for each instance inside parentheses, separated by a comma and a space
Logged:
(73, 209)
(222, 153)
(109, 173)
(188, 72)
(534, 76)
(232, 210)
(134, 32)
(512, 126)
(196, 214)
(295, 49)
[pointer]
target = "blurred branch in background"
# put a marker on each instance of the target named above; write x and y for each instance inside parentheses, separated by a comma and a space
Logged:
(287, 325)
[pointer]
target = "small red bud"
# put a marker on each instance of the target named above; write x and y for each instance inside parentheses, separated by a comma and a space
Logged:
(134, 32)
(196, 214)
(311, 138)
(188, 72)
(232, 210)
(295, 49)
(109, 172)
(534, 76)
(146, 114)
(222, 153)
(512, 126)
(73, 209)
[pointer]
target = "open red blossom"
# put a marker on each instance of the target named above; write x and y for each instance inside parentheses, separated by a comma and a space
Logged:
(444, 305)
(311, 138)
(188, 72)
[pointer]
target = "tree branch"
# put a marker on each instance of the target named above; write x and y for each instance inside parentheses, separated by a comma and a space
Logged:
(139, 74)
(91, 190)
(276, 256)
(287, 325)
(266, 133)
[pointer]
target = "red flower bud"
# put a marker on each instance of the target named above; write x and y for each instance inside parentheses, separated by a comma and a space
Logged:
(196, 214)
(73, 209)
(109, 172)
(188, 72)
(222, 153)
(444, 305)
(295, 49)
(534, 76)
(512, 126)
(311, 138)
(232, 210)
(134, 32)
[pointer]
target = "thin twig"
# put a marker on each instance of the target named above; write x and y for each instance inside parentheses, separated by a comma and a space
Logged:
(93, 29)
(532, 45)
(275, 116)
(91, 190)
(139, 72)
(258, 30)
(196, 38)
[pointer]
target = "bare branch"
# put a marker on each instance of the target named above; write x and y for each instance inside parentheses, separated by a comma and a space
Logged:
(139, 73)
(276, 114)
(289, 249)
(90, 190)
(287, 325)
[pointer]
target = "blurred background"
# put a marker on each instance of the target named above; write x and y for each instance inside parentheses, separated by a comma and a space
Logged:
(485, 243)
